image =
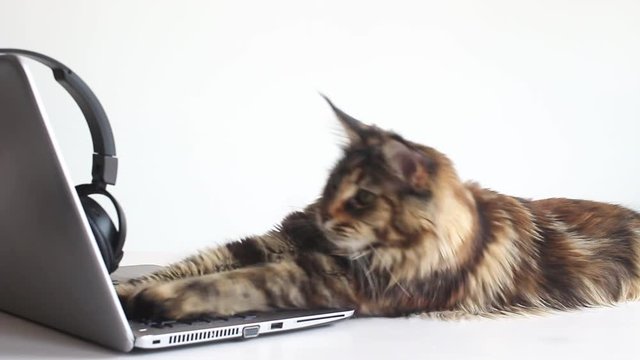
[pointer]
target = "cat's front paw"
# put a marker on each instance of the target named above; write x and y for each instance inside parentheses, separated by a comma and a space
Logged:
(167, 301)
(155, 302)
(126, 292)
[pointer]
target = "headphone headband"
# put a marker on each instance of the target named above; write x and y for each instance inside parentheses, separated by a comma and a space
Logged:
(105, 164)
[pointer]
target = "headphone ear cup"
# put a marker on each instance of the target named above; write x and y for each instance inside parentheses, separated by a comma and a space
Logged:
(103, 230)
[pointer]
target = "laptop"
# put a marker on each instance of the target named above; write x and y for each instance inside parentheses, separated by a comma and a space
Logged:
(51, 270)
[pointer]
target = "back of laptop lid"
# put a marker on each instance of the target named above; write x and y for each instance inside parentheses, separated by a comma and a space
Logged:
(50, 268)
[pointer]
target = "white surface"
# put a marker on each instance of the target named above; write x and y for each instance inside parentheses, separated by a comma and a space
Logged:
(603, 333)
(221, 132)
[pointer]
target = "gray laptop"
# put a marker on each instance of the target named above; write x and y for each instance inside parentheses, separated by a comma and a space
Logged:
(51, 271)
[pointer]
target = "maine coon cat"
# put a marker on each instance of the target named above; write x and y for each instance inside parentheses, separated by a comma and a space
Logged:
(396, 232)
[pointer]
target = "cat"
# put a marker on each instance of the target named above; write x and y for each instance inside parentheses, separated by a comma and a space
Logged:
(396, 232)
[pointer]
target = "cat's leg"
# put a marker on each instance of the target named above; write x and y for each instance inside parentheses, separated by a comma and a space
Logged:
(297, 233)
(309, 281)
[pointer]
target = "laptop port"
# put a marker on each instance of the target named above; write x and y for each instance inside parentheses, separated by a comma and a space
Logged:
(276, 325)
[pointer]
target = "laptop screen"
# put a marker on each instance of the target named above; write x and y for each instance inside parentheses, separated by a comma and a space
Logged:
(51, 271)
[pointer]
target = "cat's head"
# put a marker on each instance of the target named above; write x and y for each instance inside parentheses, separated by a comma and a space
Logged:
(385, 191)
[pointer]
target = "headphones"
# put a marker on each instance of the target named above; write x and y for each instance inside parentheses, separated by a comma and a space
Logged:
(105, 164)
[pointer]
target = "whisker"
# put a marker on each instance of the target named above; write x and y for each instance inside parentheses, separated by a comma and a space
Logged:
(361, 265)
(357, 256)
(393, 278)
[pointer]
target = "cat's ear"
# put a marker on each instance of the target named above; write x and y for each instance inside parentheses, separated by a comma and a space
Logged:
(356, 131)
(413, 167)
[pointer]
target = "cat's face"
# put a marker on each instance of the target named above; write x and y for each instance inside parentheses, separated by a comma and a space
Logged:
(383, 192)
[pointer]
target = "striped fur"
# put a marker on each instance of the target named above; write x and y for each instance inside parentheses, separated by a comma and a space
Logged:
(396, 232)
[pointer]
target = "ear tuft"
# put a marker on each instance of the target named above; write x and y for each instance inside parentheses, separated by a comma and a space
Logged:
(355, 130)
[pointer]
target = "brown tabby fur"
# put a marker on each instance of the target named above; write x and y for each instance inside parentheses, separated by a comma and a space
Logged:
(396, 232)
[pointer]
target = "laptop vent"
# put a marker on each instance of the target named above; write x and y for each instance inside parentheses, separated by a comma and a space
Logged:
(204, 335)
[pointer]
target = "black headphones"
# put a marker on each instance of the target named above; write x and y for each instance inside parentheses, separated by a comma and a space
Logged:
(105, 164)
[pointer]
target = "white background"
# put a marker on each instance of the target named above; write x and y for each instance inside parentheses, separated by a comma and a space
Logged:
(220, 130)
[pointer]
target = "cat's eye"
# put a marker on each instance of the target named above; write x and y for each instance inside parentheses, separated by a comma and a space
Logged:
(363, 198)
